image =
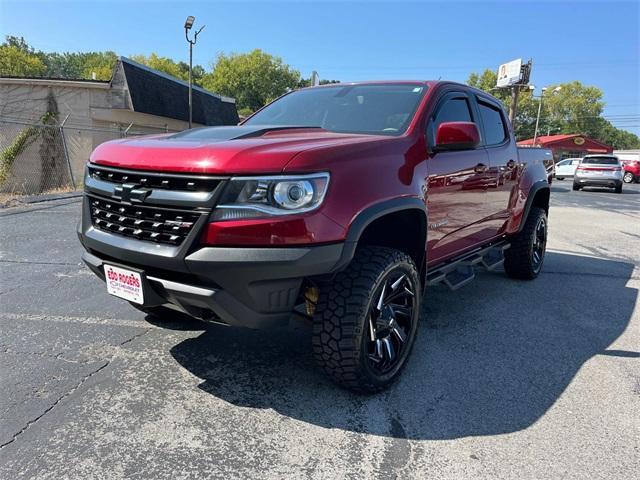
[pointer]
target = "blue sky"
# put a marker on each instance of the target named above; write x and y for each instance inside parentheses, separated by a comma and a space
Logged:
(596, 42)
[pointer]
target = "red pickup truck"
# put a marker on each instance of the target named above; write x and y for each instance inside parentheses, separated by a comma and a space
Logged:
(336, 204)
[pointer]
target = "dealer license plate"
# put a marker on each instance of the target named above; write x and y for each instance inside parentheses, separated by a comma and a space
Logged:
(124, 283)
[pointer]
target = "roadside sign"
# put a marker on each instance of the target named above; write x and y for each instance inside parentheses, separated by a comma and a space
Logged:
(509, 73)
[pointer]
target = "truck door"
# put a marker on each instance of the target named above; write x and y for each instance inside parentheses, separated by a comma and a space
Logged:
(503, 162)
(457, 185)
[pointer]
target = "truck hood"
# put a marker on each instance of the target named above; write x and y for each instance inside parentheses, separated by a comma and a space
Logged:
(222, 150)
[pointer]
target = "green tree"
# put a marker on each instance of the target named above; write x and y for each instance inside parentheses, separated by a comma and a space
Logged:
(57, 65)
(15, 62)
(178, 70)
(253, 79)
(100, 63)
(574, 108)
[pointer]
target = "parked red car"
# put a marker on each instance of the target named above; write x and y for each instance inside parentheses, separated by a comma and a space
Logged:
(631, 170)
(337, 204)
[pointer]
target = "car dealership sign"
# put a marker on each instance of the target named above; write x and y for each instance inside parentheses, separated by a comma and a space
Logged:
(510, 73)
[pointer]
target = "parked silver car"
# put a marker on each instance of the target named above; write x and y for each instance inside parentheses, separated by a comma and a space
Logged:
(599, 171)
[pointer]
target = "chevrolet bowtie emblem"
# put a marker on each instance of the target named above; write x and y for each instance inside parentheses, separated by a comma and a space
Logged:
(128, 193)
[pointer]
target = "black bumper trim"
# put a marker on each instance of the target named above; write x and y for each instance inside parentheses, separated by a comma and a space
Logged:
(258, 287)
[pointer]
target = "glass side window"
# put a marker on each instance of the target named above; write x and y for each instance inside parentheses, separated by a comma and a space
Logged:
(494, 130)
(453, 110)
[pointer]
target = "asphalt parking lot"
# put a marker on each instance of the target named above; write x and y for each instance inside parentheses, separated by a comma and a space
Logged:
(508, 379)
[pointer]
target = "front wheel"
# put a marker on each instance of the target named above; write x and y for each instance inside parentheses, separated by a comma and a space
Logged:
(524, 258)
(628, 177)
(366, 319)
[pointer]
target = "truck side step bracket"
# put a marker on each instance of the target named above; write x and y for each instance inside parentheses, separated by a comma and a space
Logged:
(458, 272)
(459, 277)
(494, 257)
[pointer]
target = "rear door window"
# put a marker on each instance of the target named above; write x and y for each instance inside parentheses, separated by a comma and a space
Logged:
(494, 125)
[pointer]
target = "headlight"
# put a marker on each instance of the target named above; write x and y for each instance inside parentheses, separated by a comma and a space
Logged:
(251, 197)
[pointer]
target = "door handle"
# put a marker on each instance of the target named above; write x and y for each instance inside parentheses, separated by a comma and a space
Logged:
(480, 168)
(511, 163)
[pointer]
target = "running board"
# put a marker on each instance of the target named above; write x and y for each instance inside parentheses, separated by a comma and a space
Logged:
(458, 272)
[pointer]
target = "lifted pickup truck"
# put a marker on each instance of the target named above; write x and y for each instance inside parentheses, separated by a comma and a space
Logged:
(338, 204)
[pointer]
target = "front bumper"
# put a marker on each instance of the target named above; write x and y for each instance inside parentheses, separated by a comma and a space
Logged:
(255, 288)
(250, 287)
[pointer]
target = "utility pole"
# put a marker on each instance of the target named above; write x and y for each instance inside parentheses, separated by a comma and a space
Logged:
(535, 132)
(513, 109)
(187, 26)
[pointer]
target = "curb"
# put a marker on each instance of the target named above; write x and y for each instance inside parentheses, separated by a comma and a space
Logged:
(49, 197)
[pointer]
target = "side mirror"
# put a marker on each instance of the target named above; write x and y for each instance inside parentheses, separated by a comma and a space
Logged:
(457, 136)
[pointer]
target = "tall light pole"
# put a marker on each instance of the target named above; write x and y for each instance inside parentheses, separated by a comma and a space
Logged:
(535, 133)
(187, 26)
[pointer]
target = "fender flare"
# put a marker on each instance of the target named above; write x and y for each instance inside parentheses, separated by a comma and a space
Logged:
(533, 191)
(364, 218)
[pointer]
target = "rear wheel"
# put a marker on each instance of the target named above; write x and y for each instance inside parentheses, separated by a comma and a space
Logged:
(628, 177)
(524, 258)
(618, 188)
(576, 187)
(366, 319)
(559, 178)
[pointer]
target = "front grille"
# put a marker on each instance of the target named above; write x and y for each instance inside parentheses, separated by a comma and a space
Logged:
(154, 180)
(154, 224)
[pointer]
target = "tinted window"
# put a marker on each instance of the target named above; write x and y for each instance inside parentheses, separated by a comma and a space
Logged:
(601, 160)
(494, 130)
(377, 109)
(453, 110)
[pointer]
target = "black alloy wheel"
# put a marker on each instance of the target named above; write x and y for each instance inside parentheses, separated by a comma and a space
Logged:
(539, 244)
(390, 322)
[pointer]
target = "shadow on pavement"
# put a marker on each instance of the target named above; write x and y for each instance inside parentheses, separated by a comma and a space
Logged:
(491, 358)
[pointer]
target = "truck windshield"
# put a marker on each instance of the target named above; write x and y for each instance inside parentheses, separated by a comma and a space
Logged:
(381, 109)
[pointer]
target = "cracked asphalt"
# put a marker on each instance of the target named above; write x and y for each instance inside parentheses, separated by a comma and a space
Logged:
(507, 379)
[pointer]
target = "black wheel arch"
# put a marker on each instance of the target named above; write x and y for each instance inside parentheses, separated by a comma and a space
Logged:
(368, 225)
(539, 196)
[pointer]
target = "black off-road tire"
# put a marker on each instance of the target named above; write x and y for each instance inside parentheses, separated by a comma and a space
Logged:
(519, 257)
(340, 322)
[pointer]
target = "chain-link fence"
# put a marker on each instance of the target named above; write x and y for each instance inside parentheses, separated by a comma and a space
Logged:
(48, 156)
